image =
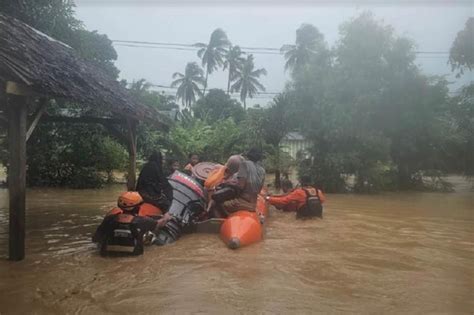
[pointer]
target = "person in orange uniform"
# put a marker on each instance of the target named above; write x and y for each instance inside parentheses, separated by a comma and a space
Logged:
(128, 206)
(296, 199)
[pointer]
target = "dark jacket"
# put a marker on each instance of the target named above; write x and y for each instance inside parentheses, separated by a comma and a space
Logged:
(154, 187)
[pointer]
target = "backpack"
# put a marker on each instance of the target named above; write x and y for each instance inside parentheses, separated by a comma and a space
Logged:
(312, 208)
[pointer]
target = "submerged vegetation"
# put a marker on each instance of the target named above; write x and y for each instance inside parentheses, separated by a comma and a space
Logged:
(364, 105)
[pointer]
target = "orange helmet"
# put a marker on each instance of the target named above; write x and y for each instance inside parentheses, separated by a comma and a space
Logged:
(127, 201)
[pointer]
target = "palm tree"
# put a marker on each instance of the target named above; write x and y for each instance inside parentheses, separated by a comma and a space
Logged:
(187, 83)
(309, 41)
(246, 80)
(212, 54)
(233, 61)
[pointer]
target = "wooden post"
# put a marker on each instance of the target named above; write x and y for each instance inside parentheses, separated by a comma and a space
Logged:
(17, 114)
(132, 152)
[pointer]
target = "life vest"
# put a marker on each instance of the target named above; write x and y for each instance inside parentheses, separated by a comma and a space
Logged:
(313, 206)
(149, 210)
(215, 177)
(123, 231)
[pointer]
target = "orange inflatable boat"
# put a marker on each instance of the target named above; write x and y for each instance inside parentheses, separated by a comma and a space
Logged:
(243, 228)
(240, 228)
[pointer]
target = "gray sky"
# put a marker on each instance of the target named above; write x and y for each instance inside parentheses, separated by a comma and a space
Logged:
(432, 27)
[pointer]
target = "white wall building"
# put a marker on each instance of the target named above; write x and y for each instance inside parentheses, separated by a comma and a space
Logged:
(295, 144)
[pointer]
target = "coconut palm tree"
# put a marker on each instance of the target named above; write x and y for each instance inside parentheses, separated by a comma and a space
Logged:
(233, 60)
(246, 80)
(212, 54)
(188, 83)
(309, 41)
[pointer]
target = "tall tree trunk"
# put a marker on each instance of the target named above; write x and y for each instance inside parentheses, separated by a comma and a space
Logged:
(245, 103)
(205, 84)
(228, 83)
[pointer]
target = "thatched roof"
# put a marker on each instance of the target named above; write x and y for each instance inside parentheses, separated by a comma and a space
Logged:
(53, 69)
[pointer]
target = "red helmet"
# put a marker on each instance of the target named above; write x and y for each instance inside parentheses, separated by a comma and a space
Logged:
(129, 200)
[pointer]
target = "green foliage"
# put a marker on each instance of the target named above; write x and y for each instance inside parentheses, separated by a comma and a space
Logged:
(277, 160)
(214, 142)
(59, 154)
(74, 156)
(309, 46)
(56, 19)
(461, 152)
(97, 48)
(234, 60)
(246, 80)
(188, 84)
(217, 105)
(113, 156)
(369, 112)
(212, 54)
(461, 55)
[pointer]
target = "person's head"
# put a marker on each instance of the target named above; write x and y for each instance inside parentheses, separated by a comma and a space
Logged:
(193, 158)
(156, 157)
(254, 154)
(129, 201)
(232, 165)
(286, 185)
(173, 164)
(305, 180)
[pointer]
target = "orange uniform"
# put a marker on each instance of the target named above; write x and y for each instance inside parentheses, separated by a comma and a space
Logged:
(294, 200)
(145, 210)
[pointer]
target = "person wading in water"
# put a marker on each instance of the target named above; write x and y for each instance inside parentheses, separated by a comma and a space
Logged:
(306, 201)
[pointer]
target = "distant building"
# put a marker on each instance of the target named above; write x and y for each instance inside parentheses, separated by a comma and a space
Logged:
(295, 144)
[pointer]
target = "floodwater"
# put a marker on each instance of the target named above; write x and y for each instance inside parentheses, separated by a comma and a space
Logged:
(388, 253)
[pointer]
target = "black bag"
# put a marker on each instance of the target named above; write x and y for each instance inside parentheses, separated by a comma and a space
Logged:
(312, 208)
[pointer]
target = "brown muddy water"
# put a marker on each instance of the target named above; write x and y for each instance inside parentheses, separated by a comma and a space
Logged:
(388, 253)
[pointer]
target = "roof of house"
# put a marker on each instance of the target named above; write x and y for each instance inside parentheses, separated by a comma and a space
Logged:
(294, 135)
(51, 68)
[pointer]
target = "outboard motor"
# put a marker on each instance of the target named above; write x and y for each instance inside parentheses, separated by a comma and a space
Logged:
(189, 203)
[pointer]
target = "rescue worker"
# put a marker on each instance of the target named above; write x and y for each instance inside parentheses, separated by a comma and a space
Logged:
(153, 186)
(250, 180)
(128, 203)
(287, 188)
(297, 200)
(193, 160)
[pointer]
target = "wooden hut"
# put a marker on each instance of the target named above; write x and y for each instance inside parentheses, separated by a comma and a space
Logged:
(35, 68)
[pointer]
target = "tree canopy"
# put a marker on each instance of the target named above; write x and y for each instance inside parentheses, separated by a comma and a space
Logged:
(461, 55)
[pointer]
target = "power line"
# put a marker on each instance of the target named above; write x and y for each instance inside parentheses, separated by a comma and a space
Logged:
(256, 50)
(209, 88)
(187, 48)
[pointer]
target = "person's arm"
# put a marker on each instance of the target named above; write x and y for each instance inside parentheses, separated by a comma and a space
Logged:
(297, 195)
(165, 186)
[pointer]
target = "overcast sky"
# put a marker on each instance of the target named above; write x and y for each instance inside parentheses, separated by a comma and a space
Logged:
(432, 27)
